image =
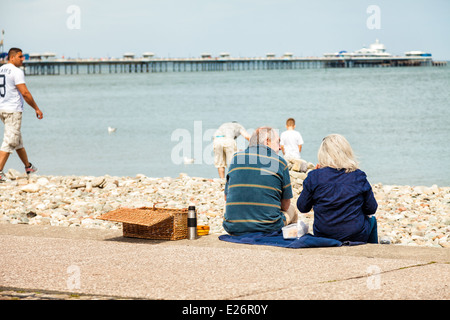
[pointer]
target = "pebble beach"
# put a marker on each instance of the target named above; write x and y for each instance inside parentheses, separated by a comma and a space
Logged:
(406, 215)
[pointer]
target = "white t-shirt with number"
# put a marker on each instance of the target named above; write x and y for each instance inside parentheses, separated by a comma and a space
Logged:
(11, 99)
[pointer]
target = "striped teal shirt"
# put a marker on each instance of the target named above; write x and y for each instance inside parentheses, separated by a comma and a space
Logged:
(257, 180)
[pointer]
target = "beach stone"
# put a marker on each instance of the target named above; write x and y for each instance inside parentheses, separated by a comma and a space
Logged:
(13, 174)
(298, 175)
(78, 184)
(406, 215)
(109, 185)
(88, 186)
(385, 240)
(98, 182)
(298, 165)
(31, 214)
(444, 244)
(31, 188)
(24, 220)
(42, 182)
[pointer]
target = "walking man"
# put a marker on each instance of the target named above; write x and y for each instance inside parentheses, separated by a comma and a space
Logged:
(13, 91)
(225, 144)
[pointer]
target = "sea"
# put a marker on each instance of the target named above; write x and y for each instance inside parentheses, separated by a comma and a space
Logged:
(397, 120)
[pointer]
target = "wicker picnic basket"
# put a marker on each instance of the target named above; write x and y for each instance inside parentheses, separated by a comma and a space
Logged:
(150, 223)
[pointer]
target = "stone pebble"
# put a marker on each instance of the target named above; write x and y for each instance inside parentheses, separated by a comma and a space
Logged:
(406, 215)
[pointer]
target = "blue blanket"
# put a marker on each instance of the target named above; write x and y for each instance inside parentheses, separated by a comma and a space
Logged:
(276, 239)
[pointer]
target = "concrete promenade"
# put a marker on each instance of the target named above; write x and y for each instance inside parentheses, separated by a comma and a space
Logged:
(45, 261)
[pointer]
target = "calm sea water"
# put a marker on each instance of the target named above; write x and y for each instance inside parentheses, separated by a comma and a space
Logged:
(396, 119)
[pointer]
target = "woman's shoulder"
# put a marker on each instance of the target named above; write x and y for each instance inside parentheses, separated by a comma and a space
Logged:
(361, 179)
(328, 172)
(361, 175)
(321, 174)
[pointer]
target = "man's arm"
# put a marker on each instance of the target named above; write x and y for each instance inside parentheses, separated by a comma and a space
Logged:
(245, 135)
(285, 203)
(29, 99)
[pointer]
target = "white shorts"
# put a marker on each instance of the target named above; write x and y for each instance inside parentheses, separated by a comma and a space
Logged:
(224, 149)
(12, 138)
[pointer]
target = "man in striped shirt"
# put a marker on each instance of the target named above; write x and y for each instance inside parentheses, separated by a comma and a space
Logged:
(258, 189)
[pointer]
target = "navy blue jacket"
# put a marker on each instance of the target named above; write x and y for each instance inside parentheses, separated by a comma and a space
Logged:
(341, 202)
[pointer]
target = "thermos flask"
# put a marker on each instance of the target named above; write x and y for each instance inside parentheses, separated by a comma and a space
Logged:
(192, 223)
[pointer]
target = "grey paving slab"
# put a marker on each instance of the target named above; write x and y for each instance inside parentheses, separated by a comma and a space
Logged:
(99, 262)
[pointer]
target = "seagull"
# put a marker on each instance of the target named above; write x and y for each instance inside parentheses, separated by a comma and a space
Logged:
(188, 160)
(111, 130)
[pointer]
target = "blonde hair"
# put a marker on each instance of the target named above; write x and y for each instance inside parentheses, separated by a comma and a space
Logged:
(336, 152)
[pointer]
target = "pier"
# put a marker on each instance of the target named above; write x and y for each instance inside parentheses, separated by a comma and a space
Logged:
(373, 57)
(153, 65)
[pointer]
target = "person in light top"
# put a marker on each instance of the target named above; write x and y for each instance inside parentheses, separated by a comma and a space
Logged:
(224, 144)
(13, 91)
(291, 141)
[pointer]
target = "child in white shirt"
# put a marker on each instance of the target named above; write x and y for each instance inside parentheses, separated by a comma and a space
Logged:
(291, 141)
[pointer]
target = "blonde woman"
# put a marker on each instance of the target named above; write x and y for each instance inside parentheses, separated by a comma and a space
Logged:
(340, 195)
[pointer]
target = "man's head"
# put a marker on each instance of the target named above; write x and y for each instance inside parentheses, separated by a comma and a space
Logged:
(15, 56)
(266, 136)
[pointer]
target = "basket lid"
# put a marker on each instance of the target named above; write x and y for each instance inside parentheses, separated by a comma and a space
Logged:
(141, 216)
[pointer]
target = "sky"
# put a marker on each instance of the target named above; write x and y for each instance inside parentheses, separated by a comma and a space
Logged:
(242, 28)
